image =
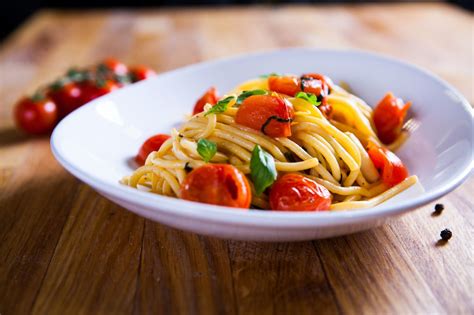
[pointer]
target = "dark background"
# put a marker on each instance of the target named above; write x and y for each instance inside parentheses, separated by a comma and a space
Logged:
(14, 12)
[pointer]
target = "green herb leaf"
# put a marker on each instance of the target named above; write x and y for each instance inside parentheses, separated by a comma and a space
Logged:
(273, 74)
(310, 97)
(220, 107)
(206, 149)
(262, 169)
(246, 94)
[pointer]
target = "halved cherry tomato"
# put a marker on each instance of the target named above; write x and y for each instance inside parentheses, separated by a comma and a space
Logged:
(209, 97)
(288, 85)
(389, 115)
(153, 143)
(115, 66)
(67, 97)
(294, 192)
(270, 114)
(92, 90)
(140, 72)
(36, 115)
(389, 165)
(217, 184)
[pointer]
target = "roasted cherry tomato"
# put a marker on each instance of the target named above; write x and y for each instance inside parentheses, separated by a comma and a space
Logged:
(92, 90)
(326, 82)
(151, 144)
(288, 85)
(67, 97)
(294, 192)
(140, 72)
(389, 165)
(209, 97)
(115, 66)
(314, 83)
(389, 115)
(271, 115)
(217, 184)
(36, 115)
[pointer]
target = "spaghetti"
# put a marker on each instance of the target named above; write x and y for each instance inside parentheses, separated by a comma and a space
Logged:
(330, 139)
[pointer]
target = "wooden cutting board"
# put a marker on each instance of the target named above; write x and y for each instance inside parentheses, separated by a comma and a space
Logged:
(66, 250)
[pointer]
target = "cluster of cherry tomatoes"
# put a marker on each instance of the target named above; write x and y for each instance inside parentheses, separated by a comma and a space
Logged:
(39, 113)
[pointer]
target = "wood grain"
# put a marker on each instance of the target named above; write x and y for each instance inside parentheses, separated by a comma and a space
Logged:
(64, 249)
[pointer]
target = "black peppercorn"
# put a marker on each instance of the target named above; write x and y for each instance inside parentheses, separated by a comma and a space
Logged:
(446, 234)
(439, 207)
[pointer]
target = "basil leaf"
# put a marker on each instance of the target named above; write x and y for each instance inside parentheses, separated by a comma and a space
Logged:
(206, 149)
(310, 97)
(220, 106)
(273, 74)
(246, 94)
(262, 169)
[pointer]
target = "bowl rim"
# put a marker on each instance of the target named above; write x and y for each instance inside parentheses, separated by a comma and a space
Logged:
(221, 214)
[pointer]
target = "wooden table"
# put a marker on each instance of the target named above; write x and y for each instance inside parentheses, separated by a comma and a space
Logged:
(65, 250)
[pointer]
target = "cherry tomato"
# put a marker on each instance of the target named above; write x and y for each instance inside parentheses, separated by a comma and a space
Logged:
(115, 66)
(139, 73)
(326, 82)
(270, 114)
(389, 165)
(36, 115)
(319, 85)
(67, 97)
(217, 184)
(294, 192)
(92, 90)
(209, 97)
(310, 83)
(151, 144)
(389, 115)
(288, 85)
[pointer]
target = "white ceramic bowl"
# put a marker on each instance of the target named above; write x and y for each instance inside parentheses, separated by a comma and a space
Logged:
(96, 142)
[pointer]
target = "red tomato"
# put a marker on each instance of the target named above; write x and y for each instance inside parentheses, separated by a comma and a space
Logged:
(91, 90)
(270, 114)
(36, 115)
(389, 115)
(67, 98)
(217, 184)
(389, 165)
(115, 66)
(209, 97)
(320, 85)
(285, 85)
(139, 73)
(326, 82)
(294, 192)
(151, 144)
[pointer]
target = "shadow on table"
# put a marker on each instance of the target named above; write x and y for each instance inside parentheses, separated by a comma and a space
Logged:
(11, 136)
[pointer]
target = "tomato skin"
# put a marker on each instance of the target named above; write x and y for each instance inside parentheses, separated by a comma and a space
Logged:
(217, 184)
(256, 112)
(390, 166)
(389, 115)
(92, 90)
(115, 66)
(151, 144)
(326, 82)
(36, 116)
(67, 98)
(210, 96)
(294, 192)
(288, 85)
(139, 73)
